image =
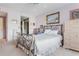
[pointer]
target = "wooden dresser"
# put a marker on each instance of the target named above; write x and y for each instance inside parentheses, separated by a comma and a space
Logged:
(71, 34)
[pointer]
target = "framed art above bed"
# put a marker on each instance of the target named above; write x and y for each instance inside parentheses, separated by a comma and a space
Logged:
(53, 18)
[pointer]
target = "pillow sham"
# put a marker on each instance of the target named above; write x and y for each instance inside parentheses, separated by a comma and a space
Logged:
(47, 31)
(51, 31)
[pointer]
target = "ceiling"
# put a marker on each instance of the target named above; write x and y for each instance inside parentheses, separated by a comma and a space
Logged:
(33, 9)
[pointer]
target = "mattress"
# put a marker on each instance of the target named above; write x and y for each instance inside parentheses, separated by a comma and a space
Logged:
(47, 44)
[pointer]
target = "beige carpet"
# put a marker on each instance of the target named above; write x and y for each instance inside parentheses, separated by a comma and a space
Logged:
(65, 52)
(11, 50)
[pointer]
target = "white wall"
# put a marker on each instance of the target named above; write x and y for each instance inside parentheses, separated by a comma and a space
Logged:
(38, 20)
(31, 21)
(64, 14)
(12, 27)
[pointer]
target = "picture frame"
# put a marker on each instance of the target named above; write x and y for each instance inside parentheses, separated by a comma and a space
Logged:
(53, 18)
(74, 14)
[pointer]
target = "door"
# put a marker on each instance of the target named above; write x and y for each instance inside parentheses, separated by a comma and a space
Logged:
(1, 28)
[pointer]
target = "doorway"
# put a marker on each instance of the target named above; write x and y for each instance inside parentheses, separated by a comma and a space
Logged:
(24, 25)
(3, 28)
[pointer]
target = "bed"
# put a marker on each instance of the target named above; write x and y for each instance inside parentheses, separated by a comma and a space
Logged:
(46, 43)
(42, 44)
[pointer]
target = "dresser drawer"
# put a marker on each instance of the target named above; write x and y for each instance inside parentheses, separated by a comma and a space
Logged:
(74, 41)
(69, 38)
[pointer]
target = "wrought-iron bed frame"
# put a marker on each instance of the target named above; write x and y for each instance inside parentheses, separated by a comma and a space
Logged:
(61, 30)
(23, 39)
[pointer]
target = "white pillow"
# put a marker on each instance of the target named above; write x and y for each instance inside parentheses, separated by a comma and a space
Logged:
(51, 31)
(47, 31)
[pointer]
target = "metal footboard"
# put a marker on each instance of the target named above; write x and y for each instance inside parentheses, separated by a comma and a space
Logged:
(26, 43)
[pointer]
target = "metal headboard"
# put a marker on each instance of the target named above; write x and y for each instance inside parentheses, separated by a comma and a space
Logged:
(56, 27)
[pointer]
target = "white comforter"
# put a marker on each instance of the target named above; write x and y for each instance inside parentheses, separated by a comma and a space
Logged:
(47, 44)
